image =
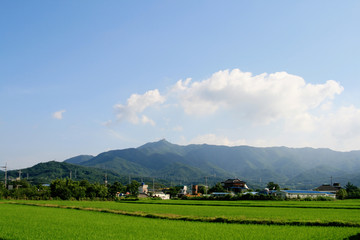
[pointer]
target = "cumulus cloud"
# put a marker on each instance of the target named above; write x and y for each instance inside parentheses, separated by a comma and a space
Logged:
(262, 98)
(136, 104)
(345, 123)
(59, 114)
(265, 109)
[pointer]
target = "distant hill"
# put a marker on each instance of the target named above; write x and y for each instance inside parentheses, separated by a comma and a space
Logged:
(79, 159)
(292, 167)
(172, 164)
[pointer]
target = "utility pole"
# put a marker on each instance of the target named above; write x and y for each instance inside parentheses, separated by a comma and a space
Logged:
(205, 184)
(19, 174)
(153, 186)
(106, 181)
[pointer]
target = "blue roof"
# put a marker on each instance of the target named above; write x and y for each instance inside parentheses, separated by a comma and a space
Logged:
(304, 191)
(221, 193)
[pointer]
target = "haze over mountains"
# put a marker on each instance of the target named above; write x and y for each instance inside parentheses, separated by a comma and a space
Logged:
(296, 168)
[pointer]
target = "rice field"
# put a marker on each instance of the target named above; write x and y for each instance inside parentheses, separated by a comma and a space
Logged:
(304, 212)
(41, 222)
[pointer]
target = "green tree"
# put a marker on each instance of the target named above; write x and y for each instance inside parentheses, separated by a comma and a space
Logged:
(350, 187)
(341, 194)
(202, 189)
(217, 188)
(273, 186)
(133, 187)
(173, 191)
(115, 188)
(60, 189)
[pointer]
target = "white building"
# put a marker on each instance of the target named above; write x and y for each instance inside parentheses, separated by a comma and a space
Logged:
(303, 194)
(163, 196)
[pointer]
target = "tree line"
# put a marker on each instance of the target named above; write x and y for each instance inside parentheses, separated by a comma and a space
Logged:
(67, 189)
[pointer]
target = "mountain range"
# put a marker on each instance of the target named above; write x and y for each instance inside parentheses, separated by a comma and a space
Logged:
(289, 167)
(295, 168)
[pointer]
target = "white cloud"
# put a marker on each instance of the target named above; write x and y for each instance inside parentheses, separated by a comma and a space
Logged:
(265, 110)
(58, 114)
(146, 120)
(262, 98)
(136, 104)
(345, 123)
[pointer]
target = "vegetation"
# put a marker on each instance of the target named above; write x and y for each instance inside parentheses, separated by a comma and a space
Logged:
(200, 222)
(189, 164)
(352, 191)
(345, 213)
(66, 189)
(273, 186)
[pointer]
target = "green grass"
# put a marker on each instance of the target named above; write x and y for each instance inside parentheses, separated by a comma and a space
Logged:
(306, 213)
(32, 222)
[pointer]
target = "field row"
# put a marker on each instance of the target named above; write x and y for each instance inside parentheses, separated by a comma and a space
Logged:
(32, 222)
(234, 214)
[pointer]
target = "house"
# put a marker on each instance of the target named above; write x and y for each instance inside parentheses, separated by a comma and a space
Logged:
(163, 196)
(235, 185)
(329, 188)
(303, 194)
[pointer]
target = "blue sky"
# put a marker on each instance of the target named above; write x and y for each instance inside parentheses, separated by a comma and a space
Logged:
(83, 77)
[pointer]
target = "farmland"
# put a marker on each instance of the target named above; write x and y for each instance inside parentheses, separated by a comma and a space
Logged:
(200, 219)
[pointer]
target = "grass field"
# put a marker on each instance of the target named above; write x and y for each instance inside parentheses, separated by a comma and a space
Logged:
(41, 222)
(347, 213)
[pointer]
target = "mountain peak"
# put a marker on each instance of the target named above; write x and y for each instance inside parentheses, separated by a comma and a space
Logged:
(161, 146)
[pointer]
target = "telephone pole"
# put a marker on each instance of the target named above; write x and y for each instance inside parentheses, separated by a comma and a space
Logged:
(153, 186)
(205, 184)
(19, 174)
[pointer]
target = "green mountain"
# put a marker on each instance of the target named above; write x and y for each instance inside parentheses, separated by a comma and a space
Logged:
(79, 159)
(44, 173)
(295, 167)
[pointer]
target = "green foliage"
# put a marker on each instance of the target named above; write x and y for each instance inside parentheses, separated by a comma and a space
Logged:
(202, 189)
(173, 191)
(350, 187)
(133, 187)
(341, 194)
(66, 189)
(273, 186)
(352, 191)
(217, 188)
(116, 188)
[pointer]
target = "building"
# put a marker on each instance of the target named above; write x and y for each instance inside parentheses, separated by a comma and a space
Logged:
(329, 188)
(163, 196)
(221, 194)
(235, 185)
(303, 194)
(195, 189)
(143, 189)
